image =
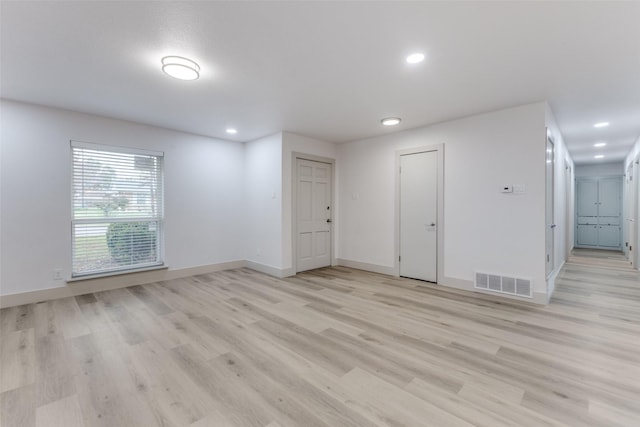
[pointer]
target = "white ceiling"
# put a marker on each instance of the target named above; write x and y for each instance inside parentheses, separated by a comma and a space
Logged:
(330, 70)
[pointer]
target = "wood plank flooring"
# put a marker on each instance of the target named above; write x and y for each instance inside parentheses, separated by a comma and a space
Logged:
(600, 258)
(332, 347)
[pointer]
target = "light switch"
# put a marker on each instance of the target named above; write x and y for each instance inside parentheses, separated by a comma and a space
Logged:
(507, 189)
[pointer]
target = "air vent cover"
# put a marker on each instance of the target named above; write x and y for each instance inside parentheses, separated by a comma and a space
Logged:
(504, 284)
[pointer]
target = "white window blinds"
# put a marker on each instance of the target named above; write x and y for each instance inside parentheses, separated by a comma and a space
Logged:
(117, 218)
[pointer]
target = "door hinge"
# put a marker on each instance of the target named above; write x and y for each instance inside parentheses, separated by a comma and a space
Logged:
(399, 258)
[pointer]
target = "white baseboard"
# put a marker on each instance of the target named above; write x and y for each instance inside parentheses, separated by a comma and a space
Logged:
(551, 282)
(121, 281)
(270, 270)
(111, 282)
(448, 282)
(374, 268)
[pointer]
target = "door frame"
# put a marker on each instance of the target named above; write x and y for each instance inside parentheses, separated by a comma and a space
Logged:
(550, 194)
(294, 205)
(568, 225)
(635, 212)
(439, 148)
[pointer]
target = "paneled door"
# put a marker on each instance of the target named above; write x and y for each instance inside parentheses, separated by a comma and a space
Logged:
(599, 212)
(313, 214)
(419, 215)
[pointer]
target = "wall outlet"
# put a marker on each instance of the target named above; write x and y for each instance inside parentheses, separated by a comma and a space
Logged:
(519, 188)
(57, 274)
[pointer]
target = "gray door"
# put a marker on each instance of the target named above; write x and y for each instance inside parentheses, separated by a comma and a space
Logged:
(598, 212)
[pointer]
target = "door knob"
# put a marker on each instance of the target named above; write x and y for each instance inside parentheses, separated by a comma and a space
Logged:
(329, 220)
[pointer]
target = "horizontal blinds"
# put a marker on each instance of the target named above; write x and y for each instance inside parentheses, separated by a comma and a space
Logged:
(117, 209)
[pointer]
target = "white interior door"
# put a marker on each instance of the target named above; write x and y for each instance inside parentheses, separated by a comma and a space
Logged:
(313, 214)
(550, 230)
(419, 215)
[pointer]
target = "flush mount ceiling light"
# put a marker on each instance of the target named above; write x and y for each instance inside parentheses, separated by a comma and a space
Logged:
(180, 68)
(391, 121)
(232, 131)
(599, 144)
(598, 156)
(601, 125)
(414, 58)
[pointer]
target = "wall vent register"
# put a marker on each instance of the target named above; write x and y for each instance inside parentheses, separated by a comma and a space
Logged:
(504, 284)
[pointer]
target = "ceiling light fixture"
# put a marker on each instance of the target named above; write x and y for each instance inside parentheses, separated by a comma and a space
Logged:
(598, 156)
(391, 121)
(232, 131)
(601, 125)
(414, 58)
(180, 68)
(599, 144)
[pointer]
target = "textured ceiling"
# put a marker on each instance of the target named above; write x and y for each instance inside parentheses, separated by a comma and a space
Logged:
(330, 70)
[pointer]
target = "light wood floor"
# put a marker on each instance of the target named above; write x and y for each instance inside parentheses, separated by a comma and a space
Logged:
(600, 258)
(334, 347)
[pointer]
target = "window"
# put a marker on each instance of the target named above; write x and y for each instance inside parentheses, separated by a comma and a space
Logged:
(117, 212)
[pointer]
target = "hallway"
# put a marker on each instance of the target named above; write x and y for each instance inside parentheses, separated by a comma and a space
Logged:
(599, 258)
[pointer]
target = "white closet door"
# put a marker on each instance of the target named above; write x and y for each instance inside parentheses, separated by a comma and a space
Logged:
(419, 215)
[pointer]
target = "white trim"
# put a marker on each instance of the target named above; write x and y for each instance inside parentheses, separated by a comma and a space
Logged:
(80, 278)
(98, 284)
(439, 148)
(468, 286)
(115, 148)
(374, 268)
(551, 282)
(139, 278)
(270, 270)
(294, 198)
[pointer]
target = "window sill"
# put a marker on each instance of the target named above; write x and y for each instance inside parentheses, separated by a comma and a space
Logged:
(116, 273)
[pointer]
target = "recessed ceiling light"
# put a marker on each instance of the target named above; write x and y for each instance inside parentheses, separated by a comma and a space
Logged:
(599, 144)
(414, 58)
(180, 68)
(232, 131)
(598, 156)
(601, 125)
(391, 121)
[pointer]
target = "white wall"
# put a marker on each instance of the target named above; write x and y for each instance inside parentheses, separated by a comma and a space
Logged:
(485, 230)
(293, 143)
(633, 154)
(268, 187)
(600, 169)
(203, 192)
(263, 201)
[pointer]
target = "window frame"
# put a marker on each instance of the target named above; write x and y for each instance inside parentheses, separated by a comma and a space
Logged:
(159, 218)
